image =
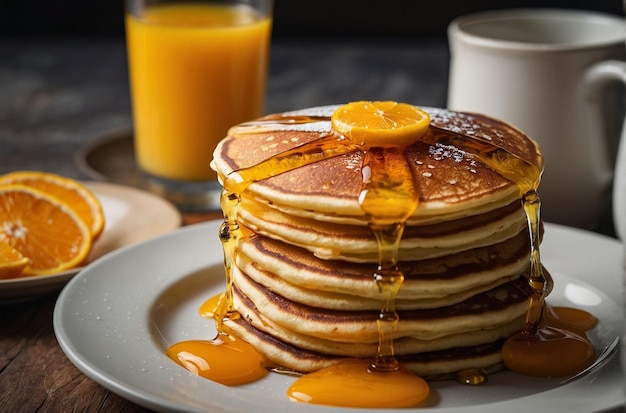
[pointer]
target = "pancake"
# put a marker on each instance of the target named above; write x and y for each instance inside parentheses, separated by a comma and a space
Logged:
(337, 301)
(496, 307)
(355, 242)
(435, 365)
(431, 359)
(403, 346)
(284, 267)
(451, 184)
(303, 272)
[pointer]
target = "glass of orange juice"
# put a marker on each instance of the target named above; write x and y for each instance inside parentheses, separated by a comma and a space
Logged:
(196, 68)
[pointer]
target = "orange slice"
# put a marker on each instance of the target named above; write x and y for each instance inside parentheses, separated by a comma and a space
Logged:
(380, 124)
(12, 262)
(67, 190)
(43, 229)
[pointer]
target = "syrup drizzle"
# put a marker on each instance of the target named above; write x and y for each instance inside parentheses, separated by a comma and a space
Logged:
(388, 199)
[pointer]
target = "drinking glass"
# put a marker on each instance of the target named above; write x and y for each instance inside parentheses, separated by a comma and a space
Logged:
(196, 68)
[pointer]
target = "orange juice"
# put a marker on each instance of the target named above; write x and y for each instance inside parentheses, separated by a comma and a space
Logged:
(195, 70)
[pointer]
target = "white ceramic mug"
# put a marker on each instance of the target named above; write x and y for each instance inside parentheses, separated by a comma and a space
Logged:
(546, 71)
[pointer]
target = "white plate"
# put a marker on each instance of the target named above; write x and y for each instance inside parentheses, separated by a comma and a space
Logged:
(131, 216)
(117, 317)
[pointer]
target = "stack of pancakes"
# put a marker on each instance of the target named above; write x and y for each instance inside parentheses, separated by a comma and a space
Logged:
(303, 276)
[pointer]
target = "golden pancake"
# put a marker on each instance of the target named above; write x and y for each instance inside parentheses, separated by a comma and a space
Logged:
(435, 365)
(496, 307)
(355, 242)
(433, 359)
(403, 346)
(450, 183)
(298, 275)
(338, 301)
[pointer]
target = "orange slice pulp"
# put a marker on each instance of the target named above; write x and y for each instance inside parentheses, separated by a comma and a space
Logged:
(74, 194)
(43, 229)
(12, 262)
(380, 124)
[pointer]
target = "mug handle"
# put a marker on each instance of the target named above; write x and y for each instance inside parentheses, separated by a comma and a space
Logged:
(597, 78)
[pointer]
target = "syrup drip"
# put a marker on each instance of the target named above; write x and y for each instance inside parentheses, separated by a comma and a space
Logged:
(559, 347)
(209, 309)
(388, 199)
(472, 377)
(545, 347)
(527, 177)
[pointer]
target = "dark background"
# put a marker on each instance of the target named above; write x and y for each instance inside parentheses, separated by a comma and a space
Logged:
(292, 18)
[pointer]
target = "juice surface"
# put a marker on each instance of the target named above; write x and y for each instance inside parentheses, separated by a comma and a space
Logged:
(195, 71)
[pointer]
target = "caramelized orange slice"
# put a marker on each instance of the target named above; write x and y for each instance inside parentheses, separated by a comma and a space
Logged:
(67, 190)
(12, 262)
(43, 229)
(380, 124)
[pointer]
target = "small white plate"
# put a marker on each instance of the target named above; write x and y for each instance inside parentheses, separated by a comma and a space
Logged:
(131, 216)
(118, 316)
